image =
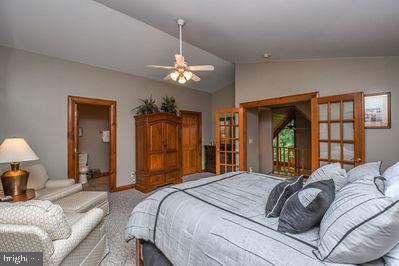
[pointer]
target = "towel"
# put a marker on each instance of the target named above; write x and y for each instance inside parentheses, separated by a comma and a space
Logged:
(105, 136)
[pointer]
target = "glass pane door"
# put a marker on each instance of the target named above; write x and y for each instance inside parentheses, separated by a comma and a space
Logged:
(338, 130)
(229, 140)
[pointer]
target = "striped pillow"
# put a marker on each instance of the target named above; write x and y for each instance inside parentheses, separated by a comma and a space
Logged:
(361, 224)
(332, 171)
(279, 195)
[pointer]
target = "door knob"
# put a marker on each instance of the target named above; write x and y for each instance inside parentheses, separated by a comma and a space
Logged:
(358, 160)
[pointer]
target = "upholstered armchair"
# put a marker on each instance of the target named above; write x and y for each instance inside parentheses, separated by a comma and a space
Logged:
(47, 188)
(64, 238)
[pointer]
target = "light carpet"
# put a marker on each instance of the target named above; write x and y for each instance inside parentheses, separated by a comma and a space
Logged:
(121, 205)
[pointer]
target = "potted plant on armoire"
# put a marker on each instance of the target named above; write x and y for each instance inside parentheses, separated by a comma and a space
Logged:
(158, 144)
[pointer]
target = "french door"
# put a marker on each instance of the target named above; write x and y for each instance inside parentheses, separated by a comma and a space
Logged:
(338, 130)
(230, 140)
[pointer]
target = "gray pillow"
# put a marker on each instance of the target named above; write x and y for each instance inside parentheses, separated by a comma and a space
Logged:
(330, 171)
(280, 193)
(361, 224)
(305, 209)
(363, 170)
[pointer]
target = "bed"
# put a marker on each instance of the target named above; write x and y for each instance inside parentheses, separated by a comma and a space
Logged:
(219, 220)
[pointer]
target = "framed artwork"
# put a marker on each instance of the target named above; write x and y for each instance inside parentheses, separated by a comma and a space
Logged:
(377, 110)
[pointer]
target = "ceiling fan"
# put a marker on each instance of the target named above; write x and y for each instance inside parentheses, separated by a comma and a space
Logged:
(181, 71)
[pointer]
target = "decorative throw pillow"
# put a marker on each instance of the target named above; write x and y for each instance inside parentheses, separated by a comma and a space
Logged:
(280, 193)
(305, 209)
(392, 180)
(37, 176)
(367, 169)
(330, 171)
(361, 224)
(41, 213)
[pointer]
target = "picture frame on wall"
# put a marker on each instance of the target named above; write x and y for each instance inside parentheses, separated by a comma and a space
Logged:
(377, 110)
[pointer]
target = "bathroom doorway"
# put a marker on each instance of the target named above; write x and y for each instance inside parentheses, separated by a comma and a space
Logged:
(92, 143)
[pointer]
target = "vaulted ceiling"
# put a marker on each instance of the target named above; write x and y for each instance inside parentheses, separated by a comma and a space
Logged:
(243, 30)
(91, 33)
(127, 35)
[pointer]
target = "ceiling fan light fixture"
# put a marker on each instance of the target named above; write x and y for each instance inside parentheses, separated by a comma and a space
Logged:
(181, 72)
(187, 75)
(174, 75)
(181, 80)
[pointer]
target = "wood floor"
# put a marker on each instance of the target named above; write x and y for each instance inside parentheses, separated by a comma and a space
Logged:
(97, 184)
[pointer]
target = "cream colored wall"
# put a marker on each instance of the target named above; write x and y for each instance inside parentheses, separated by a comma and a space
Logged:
(223, 98)
(94, 119)
(33, 102)
(329, 77)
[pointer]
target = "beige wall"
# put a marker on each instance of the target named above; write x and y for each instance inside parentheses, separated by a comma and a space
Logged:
(329, 77)
(94, 119)
(223, 98)
(265, 141)
(33, 102)
(252, 120)
(303, 138)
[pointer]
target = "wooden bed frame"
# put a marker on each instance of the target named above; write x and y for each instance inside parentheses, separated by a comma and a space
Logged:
(139, 254)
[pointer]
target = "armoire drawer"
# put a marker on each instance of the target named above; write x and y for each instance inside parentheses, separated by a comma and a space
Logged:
(172, 176)
(156, 179)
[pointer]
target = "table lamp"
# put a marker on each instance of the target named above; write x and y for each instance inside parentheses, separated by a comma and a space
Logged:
(14, 151)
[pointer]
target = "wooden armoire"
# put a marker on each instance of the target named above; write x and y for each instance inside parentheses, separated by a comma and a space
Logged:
(158, 150)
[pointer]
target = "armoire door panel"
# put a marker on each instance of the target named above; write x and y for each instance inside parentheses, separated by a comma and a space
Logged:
(172, 161)
(156, 144)
(156, 162)
(172, 136)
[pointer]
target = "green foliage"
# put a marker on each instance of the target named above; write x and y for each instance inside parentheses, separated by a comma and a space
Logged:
(149, 106)
(286, 139)
(169, 105)
(287, 136)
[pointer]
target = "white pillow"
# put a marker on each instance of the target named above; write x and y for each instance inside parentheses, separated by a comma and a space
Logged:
(392, 181)
(330, 171)
(363, 170)
(37, 176)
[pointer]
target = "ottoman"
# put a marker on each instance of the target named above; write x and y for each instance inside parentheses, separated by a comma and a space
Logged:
(84, 201)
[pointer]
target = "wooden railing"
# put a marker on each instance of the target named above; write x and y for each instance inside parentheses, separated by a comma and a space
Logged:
(291, 161)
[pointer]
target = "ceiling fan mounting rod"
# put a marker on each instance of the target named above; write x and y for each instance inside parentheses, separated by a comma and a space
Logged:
(180, 22)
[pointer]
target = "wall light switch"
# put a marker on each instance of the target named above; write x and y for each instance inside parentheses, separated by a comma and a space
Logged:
(250, 141)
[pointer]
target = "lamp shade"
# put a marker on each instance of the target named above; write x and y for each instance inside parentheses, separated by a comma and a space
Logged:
(16, 150)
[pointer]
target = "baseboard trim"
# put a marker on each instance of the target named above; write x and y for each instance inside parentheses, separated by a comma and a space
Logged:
(126, 187)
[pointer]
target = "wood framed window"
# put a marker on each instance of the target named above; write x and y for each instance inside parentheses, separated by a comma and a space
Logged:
(230, 140)
(338, 130)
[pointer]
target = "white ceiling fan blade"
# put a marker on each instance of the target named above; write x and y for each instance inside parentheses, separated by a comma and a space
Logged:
(164, 67)
(179, 59)
(167, 77)
(201, 68)
(195, 77)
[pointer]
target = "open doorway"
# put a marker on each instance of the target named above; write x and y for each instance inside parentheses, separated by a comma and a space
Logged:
(292, 139)
(279, 135)
(92, 142)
